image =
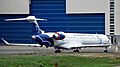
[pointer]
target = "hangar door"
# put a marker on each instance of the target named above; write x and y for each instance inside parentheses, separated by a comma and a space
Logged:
(58, 20)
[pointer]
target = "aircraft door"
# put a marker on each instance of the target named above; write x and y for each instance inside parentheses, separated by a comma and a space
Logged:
(99, 40)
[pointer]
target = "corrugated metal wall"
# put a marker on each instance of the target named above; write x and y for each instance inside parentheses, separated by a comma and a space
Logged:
(55, 12)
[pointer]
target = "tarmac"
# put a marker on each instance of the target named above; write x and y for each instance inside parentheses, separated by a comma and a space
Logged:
(4, 49)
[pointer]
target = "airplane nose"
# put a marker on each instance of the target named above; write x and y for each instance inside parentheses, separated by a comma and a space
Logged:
(33, 37)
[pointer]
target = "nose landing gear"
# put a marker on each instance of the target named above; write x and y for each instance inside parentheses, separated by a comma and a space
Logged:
(58, 51)
(106, 50)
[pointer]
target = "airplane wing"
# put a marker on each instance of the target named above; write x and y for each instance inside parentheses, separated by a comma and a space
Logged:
(80, 45)
(17, 44)
(71, 45)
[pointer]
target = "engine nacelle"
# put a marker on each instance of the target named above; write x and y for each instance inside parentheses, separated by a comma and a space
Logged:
(58, 36)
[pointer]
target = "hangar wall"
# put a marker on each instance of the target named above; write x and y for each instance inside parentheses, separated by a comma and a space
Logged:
(86, 6)
(58, 20)
(14, 6)
(117, 17)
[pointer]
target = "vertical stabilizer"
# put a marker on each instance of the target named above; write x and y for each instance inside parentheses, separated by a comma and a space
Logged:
(33, 21)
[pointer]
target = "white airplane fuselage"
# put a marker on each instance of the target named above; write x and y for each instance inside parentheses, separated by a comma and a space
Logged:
(95, 40)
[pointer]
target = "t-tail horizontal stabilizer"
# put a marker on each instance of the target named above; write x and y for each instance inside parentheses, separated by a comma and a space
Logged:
(33, 20)
(29, 18)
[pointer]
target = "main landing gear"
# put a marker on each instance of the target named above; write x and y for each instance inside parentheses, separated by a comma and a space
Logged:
(106, 50)
(58, 51)
(76, 50)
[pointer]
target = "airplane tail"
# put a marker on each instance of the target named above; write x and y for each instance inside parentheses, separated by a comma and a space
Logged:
(32, 20)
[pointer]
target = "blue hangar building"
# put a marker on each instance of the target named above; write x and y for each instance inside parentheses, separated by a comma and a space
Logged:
(77, 16)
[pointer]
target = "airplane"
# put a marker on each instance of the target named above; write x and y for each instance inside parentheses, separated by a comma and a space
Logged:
(61, 40)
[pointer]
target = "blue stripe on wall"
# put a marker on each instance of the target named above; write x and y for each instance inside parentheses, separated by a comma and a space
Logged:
(55, 12)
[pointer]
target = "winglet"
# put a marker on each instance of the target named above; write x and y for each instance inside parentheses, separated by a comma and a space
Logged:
(5, 41)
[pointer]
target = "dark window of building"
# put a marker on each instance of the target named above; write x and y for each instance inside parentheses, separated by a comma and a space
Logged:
(111, 10)
(111, 26)
(111, 2)
(111, 13)
(111, 5)
(111, 19)
(111, 30)
(111, 22)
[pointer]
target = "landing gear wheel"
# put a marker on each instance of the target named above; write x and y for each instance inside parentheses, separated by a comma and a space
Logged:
(76, 51)
(57, 51)
(106, 51)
